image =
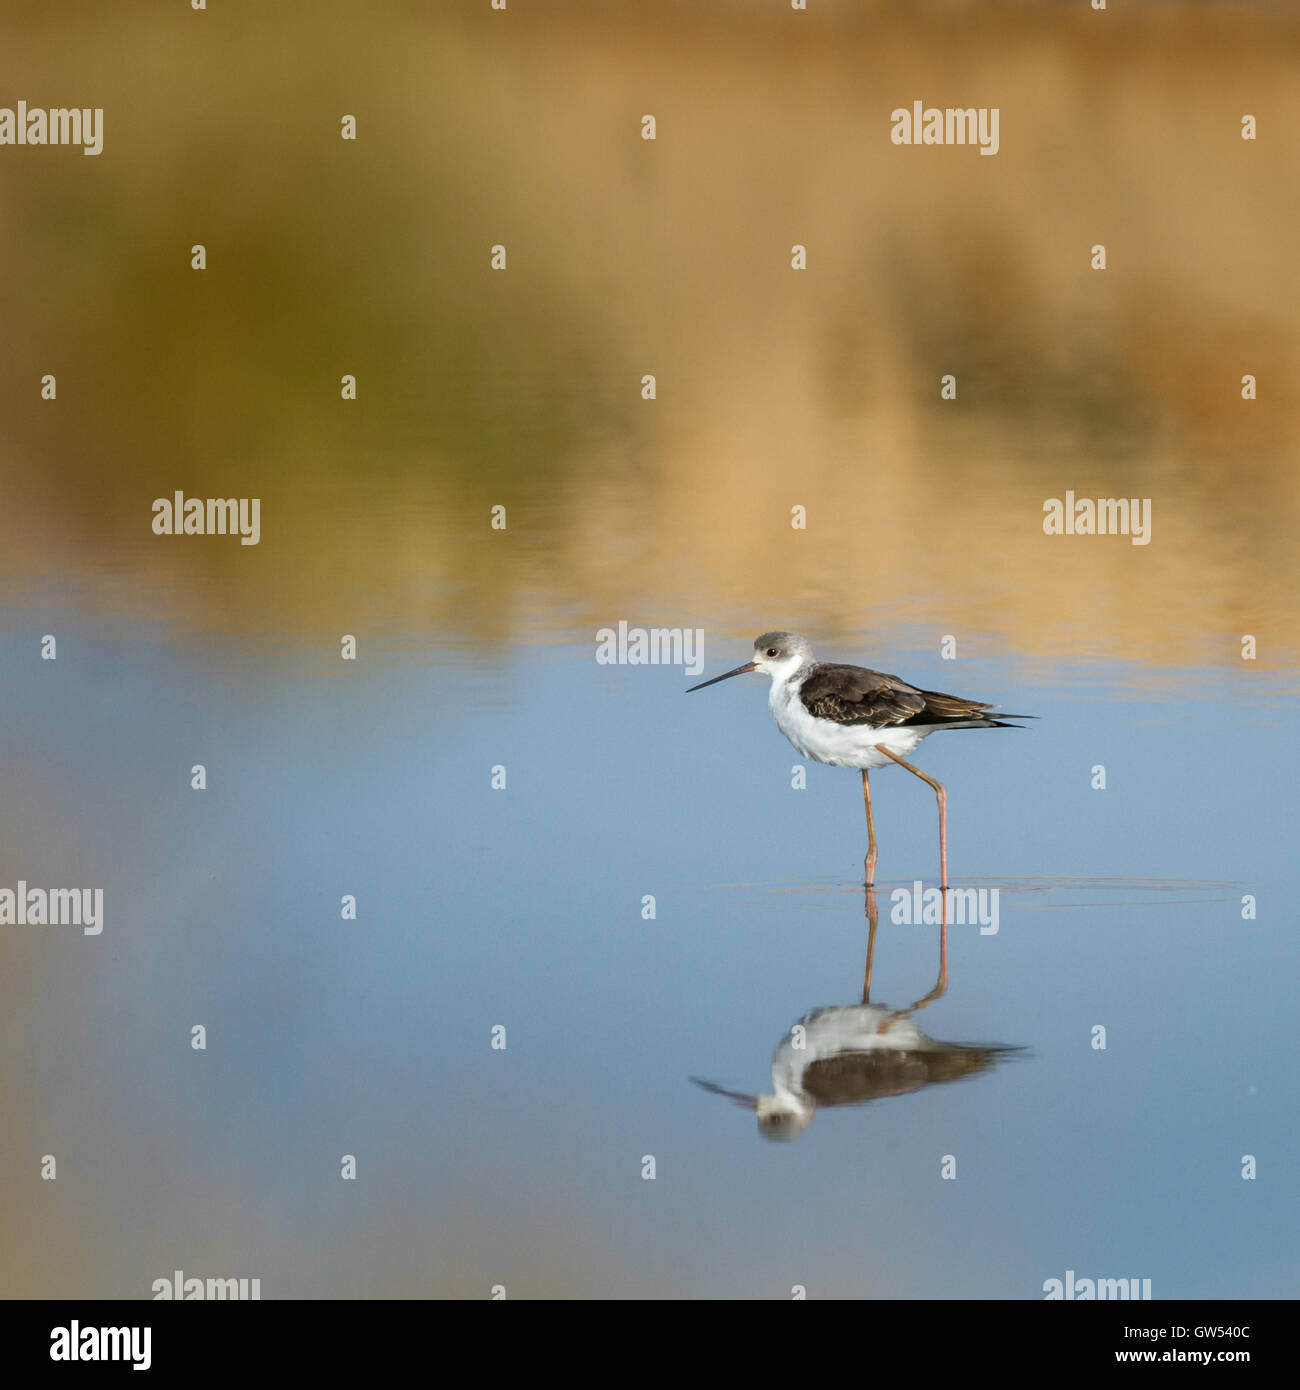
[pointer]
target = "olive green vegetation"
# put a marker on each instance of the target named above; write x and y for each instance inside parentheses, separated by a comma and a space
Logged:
(629, 257)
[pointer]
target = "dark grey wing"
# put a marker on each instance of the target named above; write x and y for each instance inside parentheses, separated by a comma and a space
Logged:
(854, 695)
(851, 1078)
(951, 709)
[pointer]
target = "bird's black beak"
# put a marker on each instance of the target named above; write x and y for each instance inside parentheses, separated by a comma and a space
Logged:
(739, 671)
(749, 1102)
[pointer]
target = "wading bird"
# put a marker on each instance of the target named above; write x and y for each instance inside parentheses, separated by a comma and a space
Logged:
(850, 1054)
(848, 716)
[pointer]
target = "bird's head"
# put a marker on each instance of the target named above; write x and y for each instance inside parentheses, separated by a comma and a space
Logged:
(783, 1117)
(776, 654)
(780, 654)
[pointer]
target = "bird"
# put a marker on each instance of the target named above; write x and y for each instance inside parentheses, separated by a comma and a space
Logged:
(850, 716)
(849, 1054)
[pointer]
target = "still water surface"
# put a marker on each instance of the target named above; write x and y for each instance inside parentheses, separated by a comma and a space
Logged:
(779, 393)
(524, 908)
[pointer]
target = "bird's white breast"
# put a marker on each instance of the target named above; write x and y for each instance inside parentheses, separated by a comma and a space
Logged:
(839, 745)
(837, 1031)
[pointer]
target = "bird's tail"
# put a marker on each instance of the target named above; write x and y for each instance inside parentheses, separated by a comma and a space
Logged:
(983, 723)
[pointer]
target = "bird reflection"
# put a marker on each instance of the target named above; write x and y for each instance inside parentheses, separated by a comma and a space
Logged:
(853, 1053)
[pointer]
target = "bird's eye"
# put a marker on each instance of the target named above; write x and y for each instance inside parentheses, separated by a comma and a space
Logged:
(771, 651)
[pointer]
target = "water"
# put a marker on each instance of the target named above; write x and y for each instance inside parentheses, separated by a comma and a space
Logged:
(524, 908)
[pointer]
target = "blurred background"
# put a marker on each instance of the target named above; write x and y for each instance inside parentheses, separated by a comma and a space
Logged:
(522, 388)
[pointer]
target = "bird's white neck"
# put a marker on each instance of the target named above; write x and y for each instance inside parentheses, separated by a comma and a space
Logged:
(785, 678)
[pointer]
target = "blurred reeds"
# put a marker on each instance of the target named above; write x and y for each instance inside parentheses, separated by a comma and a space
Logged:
(627, 257)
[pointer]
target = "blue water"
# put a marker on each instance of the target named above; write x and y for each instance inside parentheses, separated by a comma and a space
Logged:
(523, 908)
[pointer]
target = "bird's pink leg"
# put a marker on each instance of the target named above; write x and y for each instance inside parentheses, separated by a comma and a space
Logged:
(869, 864)
(873, 921)
(942, 796)
(941, 984)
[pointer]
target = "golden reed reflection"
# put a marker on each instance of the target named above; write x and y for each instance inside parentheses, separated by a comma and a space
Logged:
(775, 388)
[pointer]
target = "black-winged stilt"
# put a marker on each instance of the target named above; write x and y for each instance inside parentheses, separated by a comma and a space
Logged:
(853, 1053)
(849, 716)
